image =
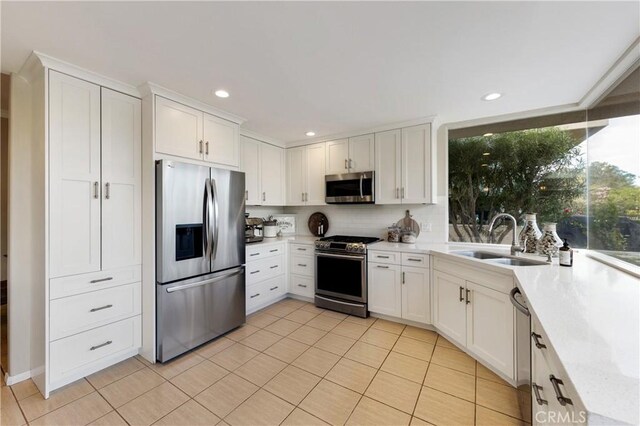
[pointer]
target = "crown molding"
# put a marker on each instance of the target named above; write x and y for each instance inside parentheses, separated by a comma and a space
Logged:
(262, 138)
(377, 129)
(149, 88)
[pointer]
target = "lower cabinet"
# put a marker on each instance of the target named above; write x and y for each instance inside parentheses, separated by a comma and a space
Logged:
(399, 289)
(476, 316)
(266, 277)
(301, 270)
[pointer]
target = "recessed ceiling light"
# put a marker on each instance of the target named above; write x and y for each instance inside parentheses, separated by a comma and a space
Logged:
(487, 134)
(221, 93)
(491, 96)
(310, 133)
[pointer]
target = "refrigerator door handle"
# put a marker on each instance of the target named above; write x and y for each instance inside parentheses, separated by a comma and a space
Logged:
(215, 209)
(208, 238)
(227, 274)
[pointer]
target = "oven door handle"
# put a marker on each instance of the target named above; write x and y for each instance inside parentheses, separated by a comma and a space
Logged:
(342, 302)
(341, 256)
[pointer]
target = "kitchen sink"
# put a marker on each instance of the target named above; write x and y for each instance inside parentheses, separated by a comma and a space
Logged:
(478, 254)
(517, 262)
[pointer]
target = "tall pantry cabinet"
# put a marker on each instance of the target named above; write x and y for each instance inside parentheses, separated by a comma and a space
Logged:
(86, 314)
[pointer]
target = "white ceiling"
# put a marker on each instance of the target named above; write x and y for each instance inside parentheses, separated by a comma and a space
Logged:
(336, 67)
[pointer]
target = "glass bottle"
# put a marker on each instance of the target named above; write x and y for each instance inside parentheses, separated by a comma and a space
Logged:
(550, 242)
(530, 234)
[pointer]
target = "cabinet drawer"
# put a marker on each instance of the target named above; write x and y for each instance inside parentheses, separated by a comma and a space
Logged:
(260, 293)
(264, 269)
(78, 284)
(302, 249)
(78, 355)
(302, 265)
(261, 252)
(384, 257)
(303, 286)
(417, 260)
(71, 315)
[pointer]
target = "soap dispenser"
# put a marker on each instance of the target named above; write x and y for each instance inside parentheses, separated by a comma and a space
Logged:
(565, 254)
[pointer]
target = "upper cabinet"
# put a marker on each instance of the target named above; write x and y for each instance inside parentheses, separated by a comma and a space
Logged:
(350, 155)
(188, 132)
(404, 166)
(94, 177)
(305, 175)
(263, 165)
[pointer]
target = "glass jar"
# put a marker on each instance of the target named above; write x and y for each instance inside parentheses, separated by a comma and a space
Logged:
(530, 234)
(550, 241)
(393, 234)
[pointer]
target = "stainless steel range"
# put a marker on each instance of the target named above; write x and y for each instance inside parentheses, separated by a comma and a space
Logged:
(341, 274)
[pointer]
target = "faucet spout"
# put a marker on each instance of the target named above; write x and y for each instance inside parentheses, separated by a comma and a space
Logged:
(515, 247)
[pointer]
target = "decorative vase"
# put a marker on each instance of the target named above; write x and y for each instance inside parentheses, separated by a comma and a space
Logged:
(550, 242)
(530, 234)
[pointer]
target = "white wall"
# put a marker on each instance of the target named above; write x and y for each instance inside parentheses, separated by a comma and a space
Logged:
(263, 211)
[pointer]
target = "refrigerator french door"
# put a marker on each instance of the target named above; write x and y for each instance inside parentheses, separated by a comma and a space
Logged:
(200, 285)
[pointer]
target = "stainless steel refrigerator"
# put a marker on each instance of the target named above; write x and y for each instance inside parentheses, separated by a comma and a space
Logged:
(200, 256)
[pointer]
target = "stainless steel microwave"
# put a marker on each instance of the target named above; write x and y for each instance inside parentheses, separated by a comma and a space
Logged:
(350, 188)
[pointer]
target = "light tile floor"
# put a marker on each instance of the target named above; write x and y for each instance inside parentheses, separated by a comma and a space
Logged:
(291, 364)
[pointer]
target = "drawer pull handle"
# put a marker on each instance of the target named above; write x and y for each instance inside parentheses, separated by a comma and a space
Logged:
(101, 308)
(563, 400)
(255, 254)
(382, 257)
(255, 295)
(467, 296)
(304, 265)
(254, 272)
(273, 251)
(273, 288)
(382, 267)
(273, 267)
(461, 296)
(302, 249)
(414, 260)
(302, 285)
(93, 348)
(536, 390)
(100, 280)
(536, 339)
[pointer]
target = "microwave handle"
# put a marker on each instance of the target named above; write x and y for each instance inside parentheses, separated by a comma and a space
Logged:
(361, 178)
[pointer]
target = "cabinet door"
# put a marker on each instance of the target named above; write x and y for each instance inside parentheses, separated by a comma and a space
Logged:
(449, 310)
(385, 289)
(416, 165)
(272, 172)
(178, 129)
(315, 166)
(250, 165)
(362, 153)
(295, 176)
(388, 165)
(121, 180)
(490, 318)
(221, 145)
(415, 294)
(74, 175)
(337, 153)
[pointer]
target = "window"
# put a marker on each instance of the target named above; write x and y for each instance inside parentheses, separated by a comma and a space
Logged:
(580, 170)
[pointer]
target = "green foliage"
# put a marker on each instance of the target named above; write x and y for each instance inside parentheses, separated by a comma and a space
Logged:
(539, 171)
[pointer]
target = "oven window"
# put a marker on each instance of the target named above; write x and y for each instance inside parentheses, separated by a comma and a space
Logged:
(349, 188)
(189, 241)
(341, 276)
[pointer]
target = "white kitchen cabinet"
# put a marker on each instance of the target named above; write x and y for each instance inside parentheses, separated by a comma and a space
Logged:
(74, 175)
(449, 309)
(221, 144)
(398, 289)
(350, 155)
(263, 165)
(385, 289)
(490, 322)
(404, 166)
(266, 277)
(178, 129)
(121, 180)
(301, 270)
(187, 132)
(305, 175)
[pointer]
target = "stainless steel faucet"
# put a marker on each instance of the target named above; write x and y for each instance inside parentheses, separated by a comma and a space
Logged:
(515, 247)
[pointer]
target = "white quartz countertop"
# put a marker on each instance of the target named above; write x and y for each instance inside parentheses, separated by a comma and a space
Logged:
(296, 239)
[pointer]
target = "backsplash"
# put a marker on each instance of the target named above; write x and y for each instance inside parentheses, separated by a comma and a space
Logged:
(373, 220)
